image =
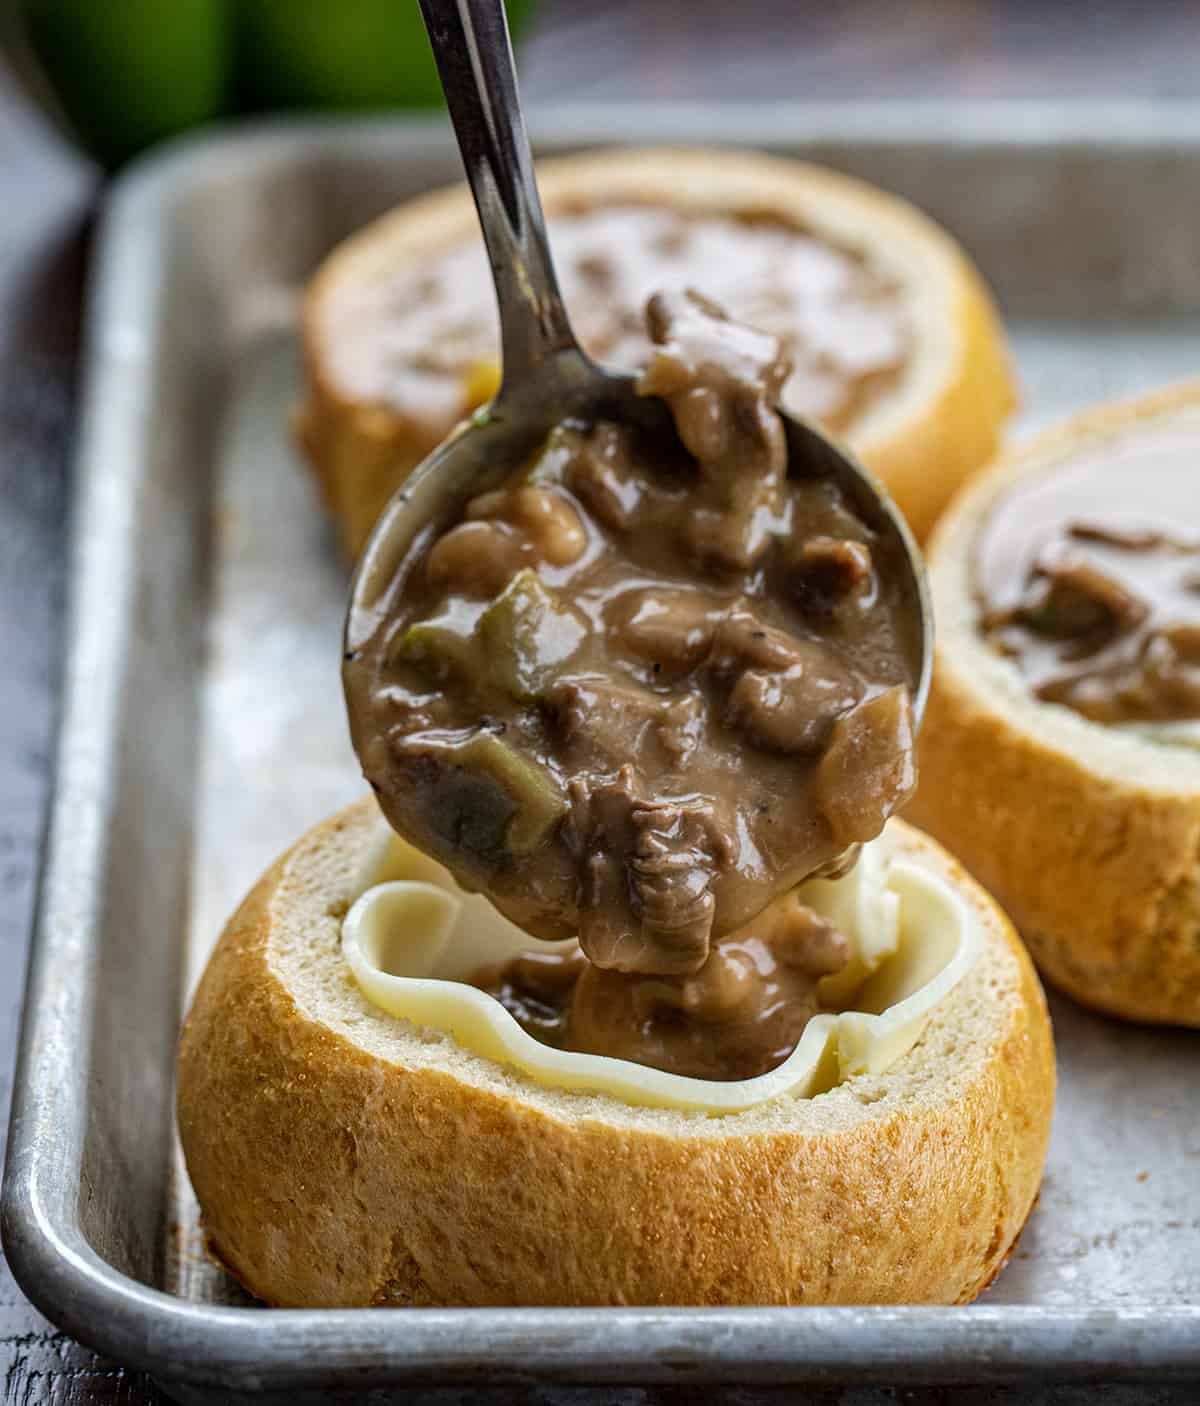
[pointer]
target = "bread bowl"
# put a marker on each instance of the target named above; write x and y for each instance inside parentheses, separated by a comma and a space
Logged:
(344, 1156)
(1086, 830)
(386, 377)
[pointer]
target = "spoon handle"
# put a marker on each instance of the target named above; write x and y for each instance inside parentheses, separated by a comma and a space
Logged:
(475, 62)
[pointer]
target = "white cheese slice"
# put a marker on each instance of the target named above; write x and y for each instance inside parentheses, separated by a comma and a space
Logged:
(413, 935)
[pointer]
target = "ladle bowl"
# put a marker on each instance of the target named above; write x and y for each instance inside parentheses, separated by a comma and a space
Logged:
(547, 377)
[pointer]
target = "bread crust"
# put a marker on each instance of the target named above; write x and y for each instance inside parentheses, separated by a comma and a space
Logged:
(1090, 840)
(362, 450)
(330, 1176)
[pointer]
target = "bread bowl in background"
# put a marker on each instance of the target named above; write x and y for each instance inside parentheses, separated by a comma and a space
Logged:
(923, 431)
(344, 1157)
(1088, 834)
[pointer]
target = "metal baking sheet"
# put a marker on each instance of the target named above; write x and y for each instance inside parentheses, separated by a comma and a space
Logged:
(202, 731)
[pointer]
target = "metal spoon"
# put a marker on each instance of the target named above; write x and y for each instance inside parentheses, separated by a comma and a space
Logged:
(547, 378)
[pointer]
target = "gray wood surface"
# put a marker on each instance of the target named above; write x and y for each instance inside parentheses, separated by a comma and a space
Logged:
(695, 50)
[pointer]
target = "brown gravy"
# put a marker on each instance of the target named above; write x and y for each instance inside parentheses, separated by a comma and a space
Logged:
(643, 689)
(740, 1015)
(1089, 579)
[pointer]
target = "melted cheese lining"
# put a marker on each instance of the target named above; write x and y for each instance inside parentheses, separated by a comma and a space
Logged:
(413, 935)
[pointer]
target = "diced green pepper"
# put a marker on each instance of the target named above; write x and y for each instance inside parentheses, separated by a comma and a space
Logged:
(446, 642)
(538, 798)
(491, 800)
(527, 635)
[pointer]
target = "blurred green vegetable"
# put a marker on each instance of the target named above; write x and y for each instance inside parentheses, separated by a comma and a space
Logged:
(291, 54)
(130, 72)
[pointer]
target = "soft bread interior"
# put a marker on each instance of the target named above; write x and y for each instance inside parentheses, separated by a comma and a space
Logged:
(322, 878)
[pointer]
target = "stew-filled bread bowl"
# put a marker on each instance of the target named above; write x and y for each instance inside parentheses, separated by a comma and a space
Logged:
(720, 1030)
(346, 1154)
(894, 337)
(1059, 756)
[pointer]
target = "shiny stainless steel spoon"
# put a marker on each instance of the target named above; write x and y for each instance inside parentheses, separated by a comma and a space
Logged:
(547, 378)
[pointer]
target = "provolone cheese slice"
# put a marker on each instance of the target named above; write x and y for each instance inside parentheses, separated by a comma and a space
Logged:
(413, 935)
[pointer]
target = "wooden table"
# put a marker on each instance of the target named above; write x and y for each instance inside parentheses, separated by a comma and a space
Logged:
(694, 50)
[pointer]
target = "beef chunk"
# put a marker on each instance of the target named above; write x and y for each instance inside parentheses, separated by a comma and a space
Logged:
(792, 710)
(601, 722)
(829, 573)
(867, 772)
(647, 904)
(673, 629)
(1071, 599)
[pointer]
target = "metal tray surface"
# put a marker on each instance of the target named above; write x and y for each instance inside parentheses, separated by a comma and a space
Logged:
(202, 731)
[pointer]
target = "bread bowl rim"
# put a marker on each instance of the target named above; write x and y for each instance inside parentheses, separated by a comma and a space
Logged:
(1120, 757)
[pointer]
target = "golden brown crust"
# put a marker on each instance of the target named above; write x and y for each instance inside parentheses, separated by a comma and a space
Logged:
(330, 1176)
(362, 450)
(1091, 841)
(935, 453)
